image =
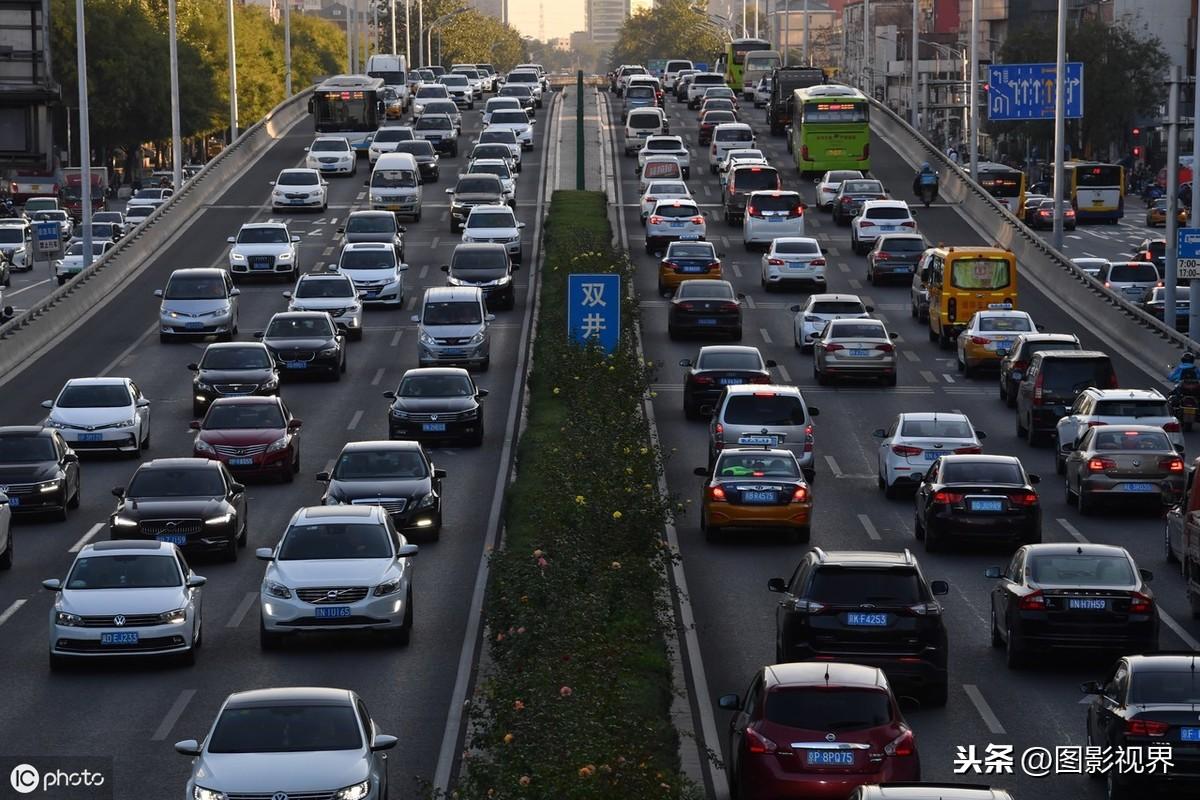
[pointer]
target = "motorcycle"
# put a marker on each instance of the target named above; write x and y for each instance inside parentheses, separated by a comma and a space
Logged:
(1184, 401)
(928, 193)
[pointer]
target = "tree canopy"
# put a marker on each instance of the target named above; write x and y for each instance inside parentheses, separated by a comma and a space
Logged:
(469, 37)
(672, 28)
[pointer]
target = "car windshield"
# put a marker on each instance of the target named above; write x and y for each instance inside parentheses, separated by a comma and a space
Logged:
(417, 147)
(387, 135)
(335, 540)
(862, 187)
(1074, 374)
(124, 572)
(836, 585)
(452, 313)
(176, 482)
(985, 472)
(195, 288)
(371, 223)
(903, 244)
(297, 179)
(691, 250)
(329, 146)
(1132, 408)
(936, 429)
(856, 330)
(507, 116)
(113, 395)
(825, 709)
(1119, 440)
(1164, 687)
(300, 328)
(446, 107)
(243, 417)
(12, 235)
(498, 136)
(705, 290)
(393, 179)
(516, 91)
(764, 409)
(428, 92)
(325, 287)
(478, 185)
(979, 273)
(149, 194)
(486, 258)
(26, 449)
(375, 258)
(1005, 323)
(435, 386)
(236, 358)
(454, 80)
(433, 122)
(756, 465)
(1073, 569)
(748, 360)
(836, 307)
(137, 212)
(1143, 272)
(286, 729)
(491, 219)
(810, 248)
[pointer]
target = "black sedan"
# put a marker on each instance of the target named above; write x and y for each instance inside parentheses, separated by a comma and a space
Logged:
(1156, 302)
(39, 472)
(395, 475)
(436, 404)
(1072, 597)
(851, 195)
(705, 307)
(191, 502)
(426, 157)
(716, 367)
(977, 497)
(486, 265)
(894, 257)
(232, 369)
(305, 343)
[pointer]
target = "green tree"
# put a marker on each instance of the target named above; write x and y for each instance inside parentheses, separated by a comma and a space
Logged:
(469, 37)
(672, 28)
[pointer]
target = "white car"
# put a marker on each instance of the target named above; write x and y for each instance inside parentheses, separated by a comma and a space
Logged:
(674, 220)
(662, 190)
(66, 225)
(263, 248)
(123, 598)
(16, 236)
(495, 224)
(915, 440)
(500, 168)
(495, 104)
(338, 568)
(771, 214)
(515, 121)
(152, 198)
(504, 136)
(136, 215)
(831, 181)
(460, 89)
(793, 260)
(878, 217)
(1094, 407)
(376, 271)
(666, 146)
(299, 188)
(429, 91)
(332, 155)
(762, 92)
(748, 156)
(101, 414)
(811, 317)
(1091, 266)
(71, 264)
(728, 136)
(385, 140)
(333, 294)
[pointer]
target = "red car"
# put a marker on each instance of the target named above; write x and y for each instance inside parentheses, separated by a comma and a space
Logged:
(712, 119)
(253, 436)
(817, 730)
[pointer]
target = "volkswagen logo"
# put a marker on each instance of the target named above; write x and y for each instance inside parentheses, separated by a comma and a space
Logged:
(119, 620)
(433, 416)
(279, 796)
(1137, 463)
(829, 737)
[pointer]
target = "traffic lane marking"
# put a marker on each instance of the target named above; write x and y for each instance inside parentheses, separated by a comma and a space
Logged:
(87, 537)
(12, 609)
(243, 608)
(985, 711)
(869, 527)
(171, 718)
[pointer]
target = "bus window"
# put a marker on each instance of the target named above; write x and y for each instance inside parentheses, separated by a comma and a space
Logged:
(980, 273)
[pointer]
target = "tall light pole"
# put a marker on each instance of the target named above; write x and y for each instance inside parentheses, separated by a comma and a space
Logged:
(1194, 290)
(287, 48)
(176, 140)
(973, 96)
(349, 37)
(85, 135)
(916, 64)
(392, 15)
(866, 59)
(1060, 134)
(408, 33)
(420, 28)
(233, 110)
(807, 54)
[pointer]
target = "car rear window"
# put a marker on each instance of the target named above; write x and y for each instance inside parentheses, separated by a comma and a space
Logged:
(988, 324)
(1181, 687)
(887, 212)
(1144, 272)
(1132, 408)
(1075, 374)
(857, 330)
(936, 429)
(691, 250)
(982, 472)
(393, 134)
(771, 202)
(640, 91)
(837, 307)
(748, 361)
(663, 144)
(662, 169)
(643, 121)
(1073, 569)
(717, 117)
(821, 709)
(1123, 440)
(797, 248)
(765, 409)
(707, 290)
(680, 211)
(838, 585)
(708, 80)
(903, 245)
(862, 187)
(755, 178)
(1039, 347)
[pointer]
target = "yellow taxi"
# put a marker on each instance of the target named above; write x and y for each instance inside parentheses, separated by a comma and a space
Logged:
(686, 261)
(755, 487)
(1156, 214)
(393, 105)
(989, 336)
(963, 280)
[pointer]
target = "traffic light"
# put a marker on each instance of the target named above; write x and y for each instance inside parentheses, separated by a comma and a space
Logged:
(1137, 132)
(1137, 151)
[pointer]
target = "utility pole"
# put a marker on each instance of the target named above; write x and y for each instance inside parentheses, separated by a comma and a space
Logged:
(1060, 126)
(916, 64)
(408, 34)
(973, 97)
(349, 37)
(85, 134)
(1172, 281)
(373, 36)
(1194, 288)
(176, 140)
(287, 48)
(233, 109)
(420, 29)
(392, 15)
(866, 59)
(807, 54)
(787, 28)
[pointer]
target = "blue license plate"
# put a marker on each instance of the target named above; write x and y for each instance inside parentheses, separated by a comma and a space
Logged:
(296, 202)
(370, 294)
(676, 224)
(1086, 604)
(931, 455)
(758, 497)
(887, 228)
(434, 138)
(775, 219)
(241, 461)
(454, 353)
(332, 612)
(987, 505)
(193, 325)
(759, 441)
(689, 237)
(172, 538)
(1189, 734)
(829, 758)
(1139, 487)
(13, 502)
(866, 620)
(433, 427)
(693, 269)
(119, 637)
(858, 353)
(706, 321)
(296, 364)
(90, 437)
(260, 265)
(1016, 376)
(731, 381)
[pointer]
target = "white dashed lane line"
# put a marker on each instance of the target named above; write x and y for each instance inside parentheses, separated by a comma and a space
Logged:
(12, 609)
(243, 608)
(378, 377)
(173, 714)
(869, 527)
(985, 711)
(87, 537)
(357, 418)
(765, 336)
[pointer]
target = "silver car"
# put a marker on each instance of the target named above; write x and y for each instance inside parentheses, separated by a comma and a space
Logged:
(263, 248)
(854, 348)
(297, 742)
(755, 415)
(198, 302)
(830, 182)
(126, 598)
(453, 328)
(16, 238)
(335, 294)
(915, 440)
(495, 224)
(1132, 280)
(811, 318)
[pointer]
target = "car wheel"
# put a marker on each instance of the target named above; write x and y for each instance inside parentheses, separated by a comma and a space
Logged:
(244, 536)
(164, 338)
(802, 535)
(1060, 464)
(997, 641)
(1021, 432)
(58, 663)
(1084, 502)
(268, 640)
(1168, 553)
(711, 534)
(1014, 653)
(197, 411)
(933, 541)
(819, 376)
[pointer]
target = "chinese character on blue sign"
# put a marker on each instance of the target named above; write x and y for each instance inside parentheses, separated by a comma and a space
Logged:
(594, 310)
(48, 234)
(1026, 91)
(700, 65)
(1189, 242)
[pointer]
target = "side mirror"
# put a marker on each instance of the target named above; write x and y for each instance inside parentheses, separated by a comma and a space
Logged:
(993, 573)
(390, 395)
(53, 584)
(341, 230)
(777, 585)
(489, 317)
(119, 492)
(879, 433)
(194, 425)
(520, 224)
(728, 702)
(143, 403)
(383, 742)
(287, 295)
(295, 238)
(236, 488)
(1060, 411)
(406, 551)
(188, 747)
(448, 190)
(294, 426)
(439, 473)
(196, 581)
(367, 182)
(814, 412)
(870, 309)
(235, 292)
(264, 554)
(415, 317)
(445, 268)
(231, 239)
(194, 367)
(1146, 574)
(158, 292)
(481, 393)
(939, 588)
(1034, 479)
(795, 309)
(1091, 687)
(71, 457)
(1002, 352)
(1041, 328)
(324, 477)
(687, 362)
(47, 404)
(702, 472)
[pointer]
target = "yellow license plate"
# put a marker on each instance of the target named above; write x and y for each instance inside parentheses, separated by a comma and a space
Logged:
(835, 152)
(1097, 202)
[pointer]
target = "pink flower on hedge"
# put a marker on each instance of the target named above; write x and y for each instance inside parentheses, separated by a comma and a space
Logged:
(543, 563)
(565, 691)
(524, 780)
(519, 705)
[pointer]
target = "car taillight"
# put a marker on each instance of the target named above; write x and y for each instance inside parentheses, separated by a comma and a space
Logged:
(797, 211)
(719, 431)
(808, 438)
(1034, 601)
(714, 265)
(804, 152)
(864, 222)
(775, 262)
(1037, 390)
(757, 743)
(1171, 427)
(1023, 499)
(655, 219)
(702, 379)
(974, 450)
(882, 257)
(717, 494)
(1019, 366)
(761, 379)
(687, 306)
(1112, 381)
(1140, 604)
(906, 450)
(946, 498)
(909, 224)
(846, 201)
(752, 211)
(800, 495)
(832, 348)
(1171, 464)
(979, 340)
(902, 745)
(1145, 727)
(651, 199)
(886, 348)
(698, 220)
(817, 262)
(728, 307)
(1100, 464)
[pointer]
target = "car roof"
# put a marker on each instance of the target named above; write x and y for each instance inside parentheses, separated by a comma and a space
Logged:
(478, 247)
(1047, 355)
(179, 463)
(865, 558)
(1162, 662)
(302, 170)
(774, 452)
(246, 225)
(833, 298)
(446, 294)
(887, 203)
(257, 345)
(763, 388)
(1049, 337)
(367, 212)
(824, 673)
(991, 458)
(887, 237)
(718, 348)
(300, 315)
(122, 547)
(490, 206)
(247, 400)
(933, 791)
(1124, 394)
(996, 313)
(932, 416)
(97, 382)
(23, 431)
(1074, 549)
(381, 246)
(407, 445)
(199, 272)
(290, 695)
(348, 512)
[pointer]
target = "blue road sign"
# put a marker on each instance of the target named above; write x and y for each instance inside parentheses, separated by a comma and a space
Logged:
(1026, 91)
(1189, 253)
(594, 309)
(700, 65)
(48, 237)
(656, 66)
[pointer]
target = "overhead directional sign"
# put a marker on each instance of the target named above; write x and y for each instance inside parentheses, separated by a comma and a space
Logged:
(656, 66)
(1026, 91)
(48, 237)
(700, 65)
(1189, 253)
(594, 310)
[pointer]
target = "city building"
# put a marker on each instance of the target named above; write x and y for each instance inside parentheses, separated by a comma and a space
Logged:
(604, 18)
(27, 87)
(492, 8)
(788, 20)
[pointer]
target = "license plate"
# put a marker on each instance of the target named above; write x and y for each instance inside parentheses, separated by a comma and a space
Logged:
(119, 637)
(931, 455)
(758, 497)
(296, 364)
(260, 265)
(332, 612)
(454, 353)
(858, 353)
(1086, 604)
(1016, 376)
(689, 237)
(172, 538)
(868, 620)
(296, 202)
(829, 758)
(1189, 734)
(987, 505)
(731, 381)
(759, 441)
(371, 294)
(836, 151)
(241, 461)
(1139, 487)
(193, 325)
(13, 502)
(693, 270)
(433, 427)
(90, 437)
(676, 224)
(887, 228)
(706, 321)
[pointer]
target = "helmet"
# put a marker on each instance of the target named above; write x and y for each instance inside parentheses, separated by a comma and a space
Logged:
(1188, 358)
(926, 168)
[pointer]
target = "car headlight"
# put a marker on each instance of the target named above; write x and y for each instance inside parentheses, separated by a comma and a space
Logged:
(276, 589)
(398, 413)
(126, 423)
(237, 257)
(50, 486)
(477, 338)
(176, 617)
(286, 255)
(428, 501)
(223, 519)
(270, 384)
(124, 522)
(204, 447)
(69, 620)
(277, 445)
(356, 792)
(426, 339)
(200, 793)
(376, 198)
(811, 318)
(383, 590)
(201, 386)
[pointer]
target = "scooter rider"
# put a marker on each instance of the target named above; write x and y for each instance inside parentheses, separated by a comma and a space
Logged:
(1186, 370)
(926, 177)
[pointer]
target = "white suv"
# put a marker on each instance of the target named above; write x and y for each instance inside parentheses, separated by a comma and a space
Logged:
(1094, 407)
(264, 248)
(495, 224)
(877, 217)
(810, 318)
(666, 146)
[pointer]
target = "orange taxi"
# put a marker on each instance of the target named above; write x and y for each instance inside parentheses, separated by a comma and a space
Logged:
(685, 261)
(755, 487)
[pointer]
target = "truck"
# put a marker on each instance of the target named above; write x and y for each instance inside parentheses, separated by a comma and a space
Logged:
(784, 82)
(25, 185)
(72, 191)
(393, 71)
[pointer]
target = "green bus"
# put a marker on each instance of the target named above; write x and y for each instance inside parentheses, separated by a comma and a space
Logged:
(734, 58)
(830, 129)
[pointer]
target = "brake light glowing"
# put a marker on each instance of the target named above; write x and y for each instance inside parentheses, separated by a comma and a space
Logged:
(974, 450)
(804, 153)
(698, 220)
(1171, 427)
(906, 450)
(1140, 604)
(1171, 464)
(817, 262)
(1145, 727)
(800, 495)
(757, 743)
(717, 494)
(886, 348)
(882, 257)
(902, 745)
(655, 219)
(1037, 390)
(1034, 601)
(1099, 464)
(946, 498)
(808, 438)
(775, 262)
(832, 348)
(1023, 499)
(752, 211)
(979, 340)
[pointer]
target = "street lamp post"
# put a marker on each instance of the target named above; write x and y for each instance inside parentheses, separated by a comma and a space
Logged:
(1060, 139)
(176, 141)
(233, 108)
(866, 41)
(420, 27)
(436, 24)
(916, 64)
(287, 48)
(973, 96)
(85, 134)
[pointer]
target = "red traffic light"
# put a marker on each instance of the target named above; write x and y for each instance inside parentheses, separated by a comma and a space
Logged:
(1137, 131)
(986, 88)
(1137, 152)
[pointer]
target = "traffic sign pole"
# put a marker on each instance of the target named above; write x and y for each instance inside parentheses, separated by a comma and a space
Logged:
(1060, 123)
(1172, 277)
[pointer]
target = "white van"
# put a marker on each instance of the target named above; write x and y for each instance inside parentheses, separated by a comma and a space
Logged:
(672, 70)
(393, 71)
(641, 124)
(452, 328)
(395, 185)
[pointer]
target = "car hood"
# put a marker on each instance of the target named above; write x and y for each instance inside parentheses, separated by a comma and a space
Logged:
(452, 331)
(479, 198)
(510, 126)
(242, 437)
(331, 572)
(8, 247)
(298, 344)
(173, 507)
(99, 602)
(194, 307)
(371, 275)
(323, 303)
(269, 773)
(91, 416)
(490, 233)
(434, 405)
(236, 375)
(412, 488)
(28, 473)
(478, 277)
(264, 249)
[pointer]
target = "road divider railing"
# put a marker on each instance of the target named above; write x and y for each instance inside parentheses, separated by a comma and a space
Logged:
(1154, 343)
(25, 336)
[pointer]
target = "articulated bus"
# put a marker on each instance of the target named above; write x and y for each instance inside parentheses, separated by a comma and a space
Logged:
(758, 63)
(735, 57)
(348, 104)
(830, 129)
(1005, 184)
(1097, 191)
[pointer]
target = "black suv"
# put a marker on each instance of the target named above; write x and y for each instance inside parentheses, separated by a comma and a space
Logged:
(1050, 384)
(305, 343)
(375, 226)
(232, 369)
(473, 189)
(39, 472)
(1014, 362)
(486, 265)
(395, 475)
(191, 502)
(870, 608)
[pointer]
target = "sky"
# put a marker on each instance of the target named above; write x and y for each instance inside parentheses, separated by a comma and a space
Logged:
(560, 17)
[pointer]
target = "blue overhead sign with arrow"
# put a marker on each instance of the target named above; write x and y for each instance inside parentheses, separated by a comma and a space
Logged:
(1026, 91)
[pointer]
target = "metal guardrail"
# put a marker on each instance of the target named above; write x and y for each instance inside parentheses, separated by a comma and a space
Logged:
(27, 333)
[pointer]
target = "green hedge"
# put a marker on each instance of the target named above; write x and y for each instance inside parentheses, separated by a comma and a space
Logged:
(575, 702)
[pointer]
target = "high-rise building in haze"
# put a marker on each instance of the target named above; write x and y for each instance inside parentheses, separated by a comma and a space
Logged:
(604, 19)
